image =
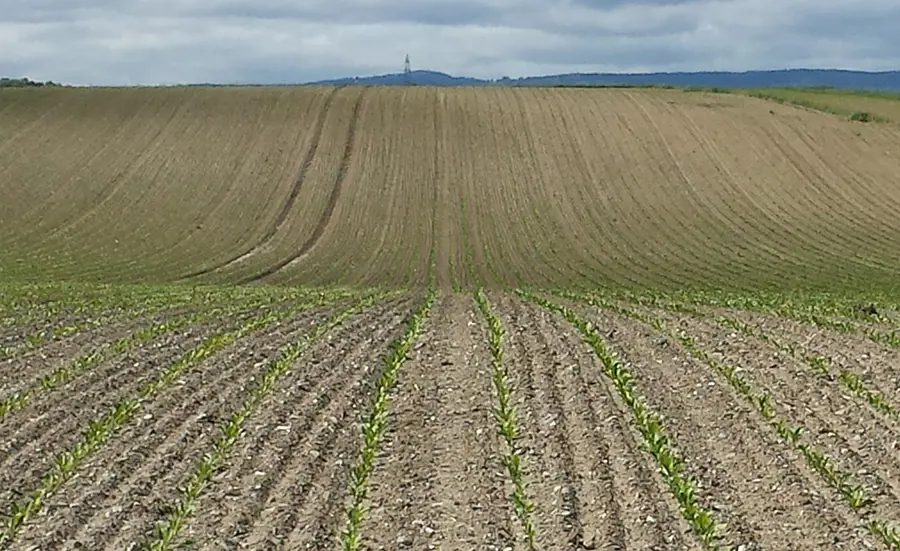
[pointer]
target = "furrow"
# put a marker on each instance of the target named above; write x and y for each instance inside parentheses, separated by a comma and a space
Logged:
(153, 453)
(438, 482)
(606, 494)
(291, 198)
(329, 206)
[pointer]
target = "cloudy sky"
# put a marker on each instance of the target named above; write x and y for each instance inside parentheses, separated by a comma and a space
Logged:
(269, 41)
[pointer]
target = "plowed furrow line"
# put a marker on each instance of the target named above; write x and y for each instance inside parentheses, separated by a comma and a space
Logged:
(19, 372)
(293, 475)
(291, 198)
(116, 184)
(613, 491)
(329, 206)
(558, 511)
(52, 419)
(146, 336)
(847, 433)
(53, 424)
(813, 362)
(875, 363)
(737, 460)
(105, 427)
(439, 481)
(160, 448)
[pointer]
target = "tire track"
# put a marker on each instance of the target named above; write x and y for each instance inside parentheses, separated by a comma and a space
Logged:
(332, 199)
(291, 199)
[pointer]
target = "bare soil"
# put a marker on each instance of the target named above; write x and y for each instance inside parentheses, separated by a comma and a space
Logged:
(858, 439)
(593, 485)
(735, 455)
(160, 445)
(439, 481)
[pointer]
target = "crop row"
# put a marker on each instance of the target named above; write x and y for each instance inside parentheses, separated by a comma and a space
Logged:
(505, 416)
(375, 424)
(102, 428)
(660, 444)
(819, 364)
(100, 310)
(167, 530)
(111, 350)
(854, 494)
(845, 315)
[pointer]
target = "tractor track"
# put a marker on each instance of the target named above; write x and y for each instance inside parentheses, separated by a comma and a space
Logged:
(291, 199)
(325, 219)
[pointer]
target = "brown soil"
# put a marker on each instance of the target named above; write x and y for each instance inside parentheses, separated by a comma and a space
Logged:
(285, 484)
(876, 363)
(438, 480)
(594, 488)
(51, 354)
(736, 457)
(858, 439)
(130, 474)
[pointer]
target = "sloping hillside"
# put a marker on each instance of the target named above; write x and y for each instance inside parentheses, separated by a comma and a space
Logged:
(505, 186)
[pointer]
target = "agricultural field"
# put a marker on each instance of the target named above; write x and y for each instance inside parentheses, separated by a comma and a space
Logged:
(880, 106)
(417, 318)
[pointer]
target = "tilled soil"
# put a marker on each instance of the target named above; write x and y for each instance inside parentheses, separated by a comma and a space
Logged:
(735, 455)
(287, 479)
(156, 449)
(876, 363)
(593, 486)
(22, 369)
(438, 481)
(859, 440)
(53, 419)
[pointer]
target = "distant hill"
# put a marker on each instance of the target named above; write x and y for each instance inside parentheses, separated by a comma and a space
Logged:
(835, 78)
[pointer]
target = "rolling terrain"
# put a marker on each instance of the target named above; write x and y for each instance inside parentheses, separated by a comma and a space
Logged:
(354, 186)
(374, 318)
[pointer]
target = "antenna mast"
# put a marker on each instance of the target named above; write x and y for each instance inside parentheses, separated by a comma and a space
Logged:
(407, 72)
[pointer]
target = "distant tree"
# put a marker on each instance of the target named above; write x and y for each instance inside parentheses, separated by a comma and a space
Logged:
(26, 82)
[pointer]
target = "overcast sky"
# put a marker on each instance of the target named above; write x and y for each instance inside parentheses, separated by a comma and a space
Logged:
(269, 41)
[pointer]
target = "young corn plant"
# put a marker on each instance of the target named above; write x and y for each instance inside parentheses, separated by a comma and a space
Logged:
(505, 415)
(167, 530)
(375, 424)
(855, 494)
(650, 425)
(101, 429)
(64, 374)
(819, 364)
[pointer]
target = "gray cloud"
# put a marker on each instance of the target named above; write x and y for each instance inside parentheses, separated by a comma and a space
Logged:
(171, 41)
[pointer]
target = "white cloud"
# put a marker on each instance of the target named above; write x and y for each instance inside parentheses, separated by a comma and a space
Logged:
(170, 41)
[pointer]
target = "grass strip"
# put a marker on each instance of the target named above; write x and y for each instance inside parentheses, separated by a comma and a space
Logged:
(505, 415)
(100, 429)
(854, 494)
(167, 530)
(660, 445)
(375, 424)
